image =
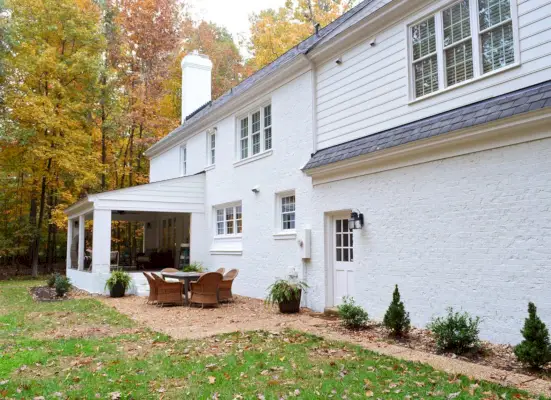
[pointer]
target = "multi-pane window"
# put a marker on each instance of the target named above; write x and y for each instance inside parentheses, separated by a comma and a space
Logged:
(344, 241)
(458, 47)
(183, 160)
(255, 132)
(244, 136)
(268, 127)
(212, 146)
(424, 57)
(496, 34)
(288, 212)
(229, 220)
(463, 41)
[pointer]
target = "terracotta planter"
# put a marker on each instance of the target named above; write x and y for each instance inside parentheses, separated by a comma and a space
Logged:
(117, 290)
(291, 306)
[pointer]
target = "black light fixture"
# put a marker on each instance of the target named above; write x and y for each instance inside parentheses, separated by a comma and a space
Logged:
(356, 220)
(148, 225)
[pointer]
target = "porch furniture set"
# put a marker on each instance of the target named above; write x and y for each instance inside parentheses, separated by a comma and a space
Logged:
(175, 287)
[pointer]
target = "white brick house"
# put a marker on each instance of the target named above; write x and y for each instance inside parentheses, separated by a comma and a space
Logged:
(430, 118)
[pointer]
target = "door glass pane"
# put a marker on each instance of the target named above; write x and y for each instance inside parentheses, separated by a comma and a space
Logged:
(339, 241)
(345, 254)
(345, 240)
(339, 255)
(338, 225)
(351, 255)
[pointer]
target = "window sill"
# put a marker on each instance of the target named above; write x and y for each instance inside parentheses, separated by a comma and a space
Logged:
(222, 252)
(464, 83)
(253, 158)
(210, 167)
(285, 235)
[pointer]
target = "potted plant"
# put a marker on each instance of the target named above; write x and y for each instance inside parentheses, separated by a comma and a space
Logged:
(117, 283)
(286, 294)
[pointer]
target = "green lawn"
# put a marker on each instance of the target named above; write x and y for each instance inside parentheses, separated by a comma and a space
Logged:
(82, 349)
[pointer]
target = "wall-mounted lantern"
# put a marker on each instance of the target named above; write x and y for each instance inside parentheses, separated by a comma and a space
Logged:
(148, 225)
(356, 220)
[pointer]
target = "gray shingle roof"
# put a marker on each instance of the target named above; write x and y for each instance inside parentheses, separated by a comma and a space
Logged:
(521, 101)
(302, 48)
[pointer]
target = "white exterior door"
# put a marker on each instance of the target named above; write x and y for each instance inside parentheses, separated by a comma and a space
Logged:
(343, 259)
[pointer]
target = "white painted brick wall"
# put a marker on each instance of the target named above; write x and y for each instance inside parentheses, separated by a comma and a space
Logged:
(264, 258)
(472, 232)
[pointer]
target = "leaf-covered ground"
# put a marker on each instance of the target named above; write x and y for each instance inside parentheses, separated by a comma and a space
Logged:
(82, 349)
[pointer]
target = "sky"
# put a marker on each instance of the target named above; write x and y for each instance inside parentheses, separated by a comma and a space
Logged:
(233, 14)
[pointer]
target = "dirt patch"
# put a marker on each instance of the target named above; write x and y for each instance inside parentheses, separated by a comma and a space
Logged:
(45, 293)
(244, 314)
(80, 332)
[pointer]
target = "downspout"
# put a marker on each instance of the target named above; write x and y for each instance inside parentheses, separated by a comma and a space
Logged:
(314, 118)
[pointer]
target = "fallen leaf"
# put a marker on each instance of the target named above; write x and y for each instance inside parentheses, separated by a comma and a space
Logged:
(212, 379)
(369, 393)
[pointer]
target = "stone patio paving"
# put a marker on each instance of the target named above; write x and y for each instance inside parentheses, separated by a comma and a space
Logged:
(247, 314)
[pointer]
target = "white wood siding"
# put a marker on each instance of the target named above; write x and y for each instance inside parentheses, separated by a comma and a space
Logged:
(185, 194)
(368, 92)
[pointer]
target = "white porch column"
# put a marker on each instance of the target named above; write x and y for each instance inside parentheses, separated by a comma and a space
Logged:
(101, 242)
(81, 241)
(70, 224)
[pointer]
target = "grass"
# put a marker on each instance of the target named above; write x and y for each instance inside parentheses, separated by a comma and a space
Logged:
(83, 349)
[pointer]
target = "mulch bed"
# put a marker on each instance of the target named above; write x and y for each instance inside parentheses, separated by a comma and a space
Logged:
(45, 293)
(499, 356)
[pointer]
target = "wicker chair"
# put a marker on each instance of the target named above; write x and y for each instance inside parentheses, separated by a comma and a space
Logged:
(168, 292)
(152, 289)
(221, 270)
(205, 290)
(224, 291)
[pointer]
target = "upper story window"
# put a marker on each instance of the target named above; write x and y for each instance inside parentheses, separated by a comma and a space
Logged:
(466, 40)
(183, 160)
(255, 132)
(229, 220)
(211, 142)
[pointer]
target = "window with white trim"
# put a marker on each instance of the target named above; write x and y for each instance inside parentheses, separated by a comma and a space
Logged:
(211, 138)
(463, 41)
(183, 160)
(255, 132)
(229, 220)
(288, 212)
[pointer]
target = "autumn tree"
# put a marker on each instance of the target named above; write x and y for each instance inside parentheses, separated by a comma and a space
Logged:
(49, 90)
(273, 32)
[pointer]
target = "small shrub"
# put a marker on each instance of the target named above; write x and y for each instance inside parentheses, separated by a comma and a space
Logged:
(352, 315)
(51, 280)
(535, 349)
(62, 285)
(456, 332)
(283, 290)
(396, 318)
(194, 267)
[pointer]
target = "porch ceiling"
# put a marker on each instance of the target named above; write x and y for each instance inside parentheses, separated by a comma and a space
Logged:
(186, 195)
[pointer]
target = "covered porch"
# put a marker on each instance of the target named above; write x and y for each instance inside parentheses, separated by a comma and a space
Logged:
(167, 220)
